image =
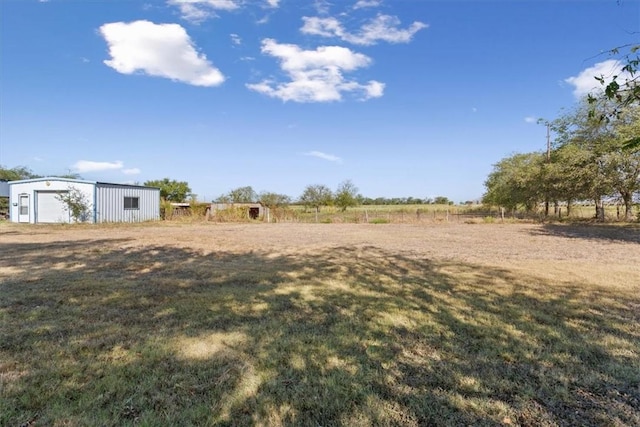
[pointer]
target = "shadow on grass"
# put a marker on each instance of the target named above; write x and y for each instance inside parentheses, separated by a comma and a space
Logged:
(102, 333)
(614, 233)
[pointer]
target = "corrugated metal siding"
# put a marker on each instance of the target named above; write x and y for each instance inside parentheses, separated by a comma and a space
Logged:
(110, 203)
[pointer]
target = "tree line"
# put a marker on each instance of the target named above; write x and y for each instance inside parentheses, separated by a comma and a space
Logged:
(316, 196)
(590, 159)
(313, 196)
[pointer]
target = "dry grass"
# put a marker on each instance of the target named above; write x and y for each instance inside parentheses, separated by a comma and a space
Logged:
(293, 324)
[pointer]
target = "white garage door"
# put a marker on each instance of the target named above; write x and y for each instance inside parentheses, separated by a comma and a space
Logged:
(49, 208)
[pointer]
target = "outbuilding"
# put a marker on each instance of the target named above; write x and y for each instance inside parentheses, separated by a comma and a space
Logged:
(44, 200)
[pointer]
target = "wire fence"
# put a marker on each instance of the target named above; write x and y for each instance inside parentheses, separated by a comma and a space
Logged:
(412, 215)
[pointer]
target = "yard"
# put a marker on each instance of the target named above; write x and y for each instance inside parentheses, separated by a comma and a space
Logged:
(320, 324)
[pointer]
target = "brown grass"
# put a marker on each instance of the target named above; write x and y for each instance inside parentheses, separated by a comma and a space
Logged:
(294, 324)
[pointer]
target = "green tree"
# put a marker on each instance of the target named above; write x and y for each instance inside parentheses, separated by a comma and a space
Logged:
(346, 195)
(242, 195)
(623, 165)
(441, 200)
(273, 200)
(316, 196)
(76, 203)
(515, 181)
(592, 140)
(623, 90)
(171, 190)
(568, 176)
(16, 173)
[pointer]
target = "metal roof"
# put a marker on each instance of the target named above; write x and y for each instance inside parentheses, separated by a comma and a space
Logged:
(79, 181)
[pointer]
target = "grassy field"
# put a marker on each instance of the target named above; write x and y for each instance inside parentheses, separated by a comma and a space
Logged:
(319, 325)
(420, 214)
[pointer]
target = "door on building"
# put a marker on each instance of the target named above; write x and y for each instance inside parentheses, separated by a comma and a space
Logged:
(23, 208)
(49, 207)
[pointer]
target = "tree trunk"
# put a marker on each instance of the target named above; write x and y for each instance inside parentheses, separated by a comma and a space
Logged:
(317, 210)
(628, 206)
(599, 209)
(568, 207)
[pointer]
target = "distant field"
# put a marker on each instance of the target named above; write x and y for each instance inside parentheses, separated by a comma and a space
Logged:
(320, 324)
(426, 213)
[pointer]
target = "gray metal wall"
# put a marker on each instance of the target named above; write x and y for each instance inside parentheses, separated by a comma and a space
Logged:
(110, 203)
(4, 189)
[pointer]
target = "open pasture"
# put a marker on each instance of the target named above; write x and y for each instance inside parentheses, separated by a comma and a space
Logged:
(320, 324)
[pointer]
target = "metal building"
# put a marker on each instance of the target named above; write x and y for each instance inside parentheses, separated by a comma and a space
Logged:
(41, 200)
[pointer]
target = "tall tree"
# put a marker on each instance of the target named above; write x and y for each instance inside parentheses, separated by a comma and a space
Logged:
(346, 195)
(170, 189)
(242, 195)
(316, 196)
(568, 176)
(592, 138)
(623, 165)
(515, 181)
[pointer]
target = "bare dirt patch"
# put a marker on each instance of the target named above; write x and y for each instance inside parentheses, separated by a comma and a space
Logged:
(607, 255)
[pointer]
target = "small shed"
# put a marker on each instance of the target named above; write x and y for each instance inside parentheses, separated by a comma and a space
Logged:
(41, 200)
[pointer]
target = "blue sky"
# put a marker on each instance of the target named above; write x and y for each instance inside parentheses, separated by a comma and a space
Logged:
(403, 97)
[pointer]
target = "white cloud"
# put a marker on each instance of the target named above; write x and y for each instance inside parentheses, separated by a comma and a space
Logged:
(316, 75)
(273, 3)
(235, 39)
(381, 28)
(131, 171)
(585, 82)
(324, 156)
(197, 11)
(322, 6)
(530, 119)
(162, 50)
(361, 4)
(82, 166)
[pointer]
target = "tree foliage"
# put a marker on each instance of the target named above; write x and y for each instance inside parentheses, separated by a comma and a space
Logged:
(242, 195)
(621, 90)
(441, 200)
(22, 172)
(316, 196)
(171, 190)
(76, 203)
(273, 200)
(16, 173)
(346, 195)
(589, 161)
(515, 182)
